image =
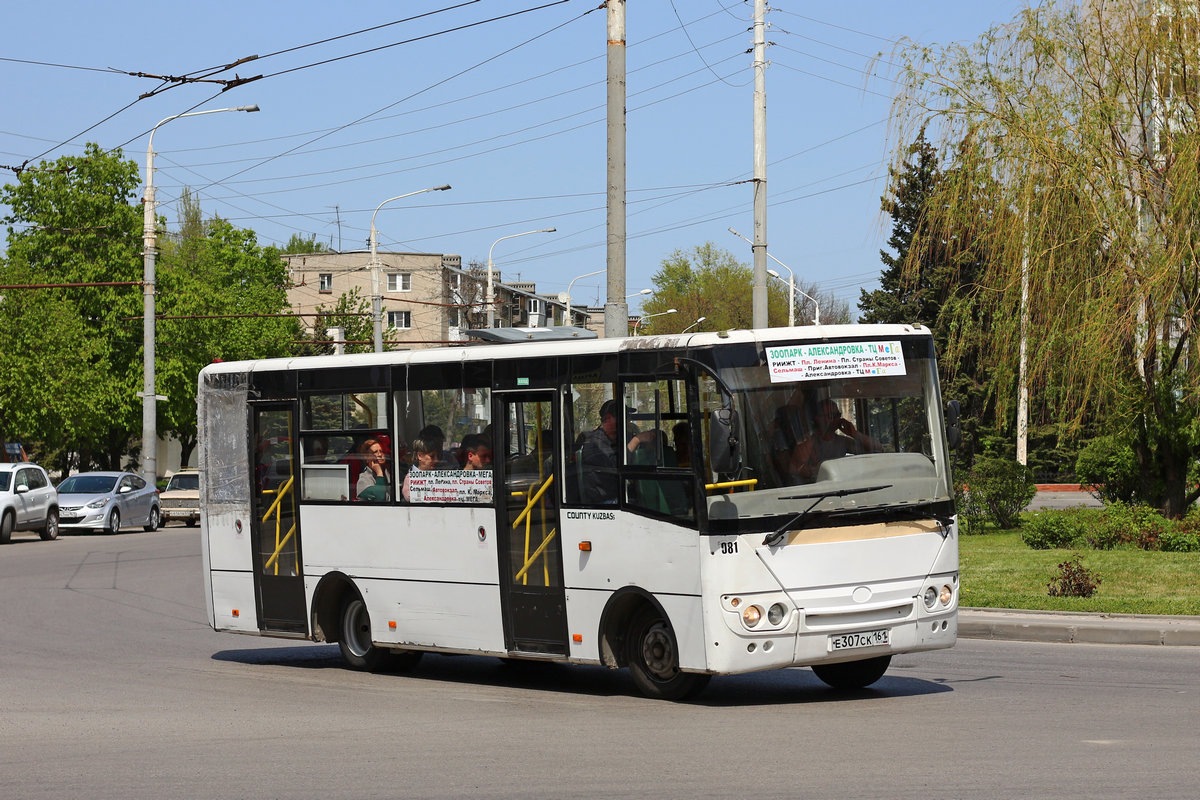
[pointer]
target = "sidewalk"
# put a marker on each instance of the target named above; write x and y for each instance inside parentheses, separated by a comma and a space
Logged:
(1076, 627)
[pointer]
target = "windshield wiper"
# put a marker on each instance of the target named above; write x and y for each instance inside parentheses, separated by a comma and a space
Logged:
(773, 539)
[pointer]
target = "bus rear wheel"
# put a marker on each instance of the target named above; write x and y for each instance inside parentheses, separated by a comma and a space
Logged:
(654, 659)
(356, 645)
(853, 674)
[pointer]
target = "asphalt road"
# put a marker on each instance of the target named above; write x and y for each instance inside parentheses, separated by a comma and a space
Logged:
(113, 686)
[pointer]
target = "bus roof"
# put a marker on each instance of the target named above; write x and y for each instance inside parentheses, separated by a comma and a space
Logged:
(535, 348)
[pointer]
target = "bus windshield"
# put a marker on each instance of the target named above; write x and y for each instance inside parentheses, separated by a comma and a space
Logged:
(856, 424)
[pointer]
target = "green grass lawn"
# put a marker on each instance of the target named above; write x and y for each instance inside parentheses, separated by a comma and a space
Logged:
(999, 571)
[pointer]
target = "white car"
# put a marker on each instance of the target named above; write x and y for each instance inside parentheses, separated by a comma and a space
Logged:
(181, 498)
(28, 501)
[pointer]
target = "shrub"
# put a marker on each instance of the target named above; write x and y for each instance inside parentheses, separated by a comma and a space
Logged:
(1178, 541)
(971, 514)
(1140, 525)
(1001, 486)
(1107, 467)
(1046, 530)
(1073, 580)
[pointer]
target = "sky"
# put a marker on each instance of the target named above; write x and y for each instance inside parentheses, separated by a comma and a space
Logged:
(505, 101)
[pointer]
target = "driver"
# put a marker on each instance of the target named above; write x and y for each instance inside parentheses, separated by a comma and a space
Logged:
(833, 436)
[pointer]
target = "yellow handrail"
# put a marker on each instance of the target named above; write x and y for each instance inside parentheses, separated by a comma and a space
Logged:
(731, 484)
(276, 509)
(527, 517)
(279, 548)
(529, 560)
(530, 502)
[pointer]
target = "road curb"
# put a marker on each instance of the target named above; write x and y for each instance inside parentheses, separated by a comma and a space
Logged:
(1078, 627)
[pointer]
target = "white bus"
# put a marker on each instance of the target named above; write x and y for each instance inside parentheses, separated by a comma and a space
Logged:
(682, 505)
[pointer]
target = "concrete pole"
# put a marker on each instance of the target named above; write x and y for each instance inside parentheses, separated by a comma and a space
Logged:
(759, 294)
(1022, 375)
(149, 251)
(616, 311)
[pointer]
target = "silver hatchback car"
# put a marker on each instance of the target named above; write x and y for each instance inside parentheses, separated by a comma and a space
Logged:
(108, 501)
(28, 501)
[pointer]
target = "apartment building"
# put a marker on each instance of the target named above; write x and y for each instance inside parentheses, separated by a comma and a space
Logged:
(428, 299)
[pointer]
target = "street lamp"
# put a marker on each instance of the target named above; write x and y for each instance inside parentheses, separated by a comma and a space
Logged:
(791, 282)
(491, 297)
(694, 324)
(567, 299)
(792, 290)
(376, 297)
(645, 317)
(149, 250)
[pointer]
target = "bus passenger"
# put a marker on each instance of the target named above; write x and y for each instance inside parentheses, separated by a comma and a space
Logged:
(600, 484)
(426, 453)
(375, 480)
(478, 452)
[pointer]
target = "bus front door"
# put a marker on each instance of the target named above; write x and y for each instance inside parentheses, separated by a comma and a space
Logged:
(275, 533)
(530, 544)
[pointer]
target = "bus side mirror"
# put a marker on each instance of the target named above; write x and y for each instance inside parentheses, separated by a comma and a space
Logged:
(953, 432)
(723, 442)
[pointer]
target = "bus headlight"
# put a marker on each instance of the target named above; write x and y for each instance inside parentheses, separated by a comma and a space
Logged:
(752, 616)
(776, 613)
(947, 595)
(931, 596)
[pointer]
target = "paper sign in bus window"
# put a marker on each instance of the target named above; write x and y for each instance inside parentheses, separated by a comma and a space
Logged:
(828, 360)
(450, 486)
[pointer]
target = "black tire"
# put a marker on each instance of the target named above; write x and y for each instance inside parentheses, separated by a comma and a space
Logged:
(853, 674)
(654, 659)
(155, 518)
(113, 524)
(359, 652)
(49, 531)
(7, 523)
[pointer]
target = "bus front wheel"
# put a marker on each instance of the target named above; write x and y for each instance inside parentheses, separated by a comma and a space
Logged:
(853, 674)
(654, 659)
(356, 645)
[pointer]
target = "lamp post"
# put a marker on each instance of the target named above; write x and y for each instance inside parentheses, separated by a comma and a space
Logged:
(645, 317)
(491, 297)
(694, 324)
(792, 290)
(791, 282)
(149, 251)
(567, 299)
(376, 297)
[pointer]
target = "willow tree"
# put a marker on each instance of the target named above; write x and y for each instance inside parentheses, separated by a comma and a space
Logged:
(1076, 160)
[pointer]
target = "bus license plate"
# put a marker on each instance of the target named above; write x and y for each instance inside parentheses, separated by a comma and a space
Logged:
(850, 641)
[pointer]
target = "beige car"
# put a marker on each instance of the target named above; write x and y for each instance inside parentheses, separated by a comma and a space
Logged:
(181, 498)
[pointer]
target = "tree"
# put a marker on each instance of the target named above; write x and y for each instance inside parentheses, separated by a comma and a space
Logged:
(221, 296)
(1077, 168)
(710, 282)
(72, 366)
(930, 278)
(300, 244)
(352, 313)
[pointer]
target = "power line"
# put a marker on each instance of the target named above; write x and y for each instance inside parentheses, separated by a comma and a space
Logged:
(415, 94)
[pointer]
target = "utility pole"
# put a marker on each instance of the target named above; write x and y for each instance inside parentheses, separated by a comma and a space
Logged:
(759, 293)
(616, 311)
